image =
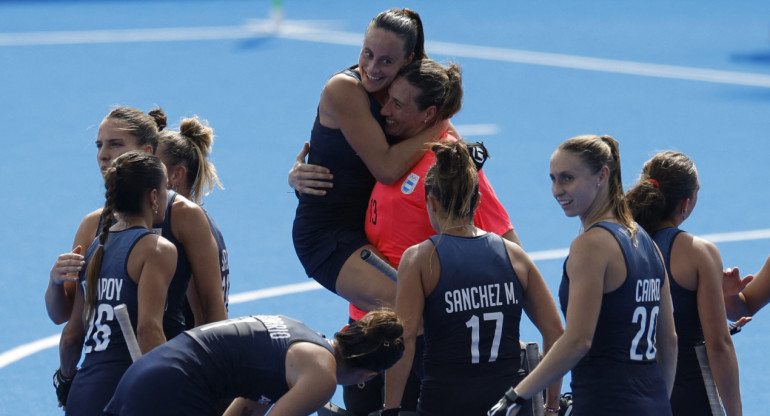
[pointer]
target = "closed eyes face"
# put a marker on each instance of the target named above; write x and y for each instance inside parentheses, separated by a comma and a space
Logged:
(382, 56)
(403, 119)
(572, 183)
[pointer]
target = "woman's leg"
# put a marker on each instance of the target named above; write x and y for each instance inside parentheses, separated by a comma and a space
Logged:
(363, 285)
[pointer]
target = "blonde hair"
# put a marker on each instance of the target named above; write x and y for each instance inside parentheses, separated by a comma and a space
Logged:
(190, 147)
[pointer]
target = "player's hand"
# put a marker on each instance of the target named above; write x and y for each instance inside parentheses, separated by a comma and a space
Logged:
(309, 179)
(62, 386)
(735, 327)
(732, 284)
(67, 266)
(504, 407)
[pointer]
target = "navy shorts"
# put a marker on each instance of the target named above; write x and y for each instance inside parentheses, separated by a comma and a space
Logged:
(323, 254)
(93, 387)
(166, 381)
(613, 388)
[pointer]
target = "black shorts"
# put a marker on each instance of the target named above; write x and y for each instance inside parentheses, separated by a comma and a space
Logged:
(324, 252)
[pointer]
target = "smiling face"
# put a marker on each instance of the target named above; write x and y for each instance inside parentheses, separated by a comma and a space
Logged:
(113, 140)
(574, 186)
(402, 117)
(382, 56)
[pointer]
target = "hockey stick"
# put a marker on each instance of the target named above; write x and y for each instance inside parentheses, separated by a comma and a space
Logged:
(711, 388)
(379, 264)
(128, 331)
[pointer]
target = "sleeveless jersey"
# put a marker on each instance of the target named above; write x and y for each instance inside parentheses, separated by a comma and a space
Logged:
(224, 264)
(106, 354)
(224, 269)
(689, 395)
(173, 318)
(193, 373)
(250, 353)
(471, 321)
(323, 221)
(619, 374)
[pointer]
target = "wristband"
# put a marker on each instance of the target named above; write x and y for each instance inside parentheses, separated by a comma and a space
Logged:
(552, 410)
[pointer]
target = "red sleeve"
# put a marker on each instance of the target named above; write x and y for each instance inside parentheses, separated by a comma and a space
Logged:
(490, 215)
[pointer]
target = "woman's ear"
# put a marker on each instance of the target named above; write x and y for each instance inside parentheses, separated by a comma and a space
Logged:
(153, 199)
(176, 176)
(604, 174)
(430, 114)
(432, 203)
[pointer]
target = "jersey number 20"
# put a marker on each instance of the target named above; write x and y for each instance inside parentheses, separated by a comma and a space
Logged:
(647, 326)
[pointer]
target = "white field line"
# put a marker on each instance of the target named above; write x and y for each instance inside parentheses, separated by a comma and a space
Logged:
(23, 351)
(315, 32)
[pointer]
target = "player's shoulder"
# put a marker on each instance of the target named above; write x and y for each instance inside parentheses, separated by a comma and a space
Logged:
(183, 207)
(594, 238)
(696, 247)
(341, 88)
(92, 218)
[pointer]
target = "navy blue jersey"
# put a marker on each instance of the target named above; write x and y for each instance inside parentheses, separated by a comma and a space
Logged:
(242, 357)
(224, 269)
(688, 327)
(173, 318)
(619, 374)
(689, 395)
(471, 321)
(328, 229)
(106, 354)
(224, 264)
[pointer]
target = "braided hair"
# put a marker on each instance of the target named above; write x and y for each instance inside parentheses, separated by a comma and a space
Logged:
(132, 176)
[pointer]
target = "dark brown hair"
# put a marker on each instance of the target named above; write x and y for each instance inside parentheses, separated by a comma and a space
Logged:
(406, 24)
(132, 176)
(374, 342)
(439, 86)
(666, 179)
(144, 127)
(453, 180)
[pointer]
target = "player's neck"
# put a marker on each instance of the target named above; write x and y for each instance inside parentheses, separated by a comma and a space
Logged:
(462, 230)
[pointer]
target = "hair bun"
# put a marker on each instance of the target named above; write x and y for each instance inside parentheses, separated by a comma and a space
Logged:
(160, 118)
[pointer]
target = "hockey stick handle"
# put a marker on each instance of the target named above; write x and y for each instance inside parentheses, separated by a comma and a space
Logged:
(128, 331)
(379, 264)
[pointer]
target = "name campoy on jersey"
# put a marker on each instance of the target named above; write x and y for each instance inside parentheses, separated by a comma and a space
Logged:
(480, 297)
(107, 288)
